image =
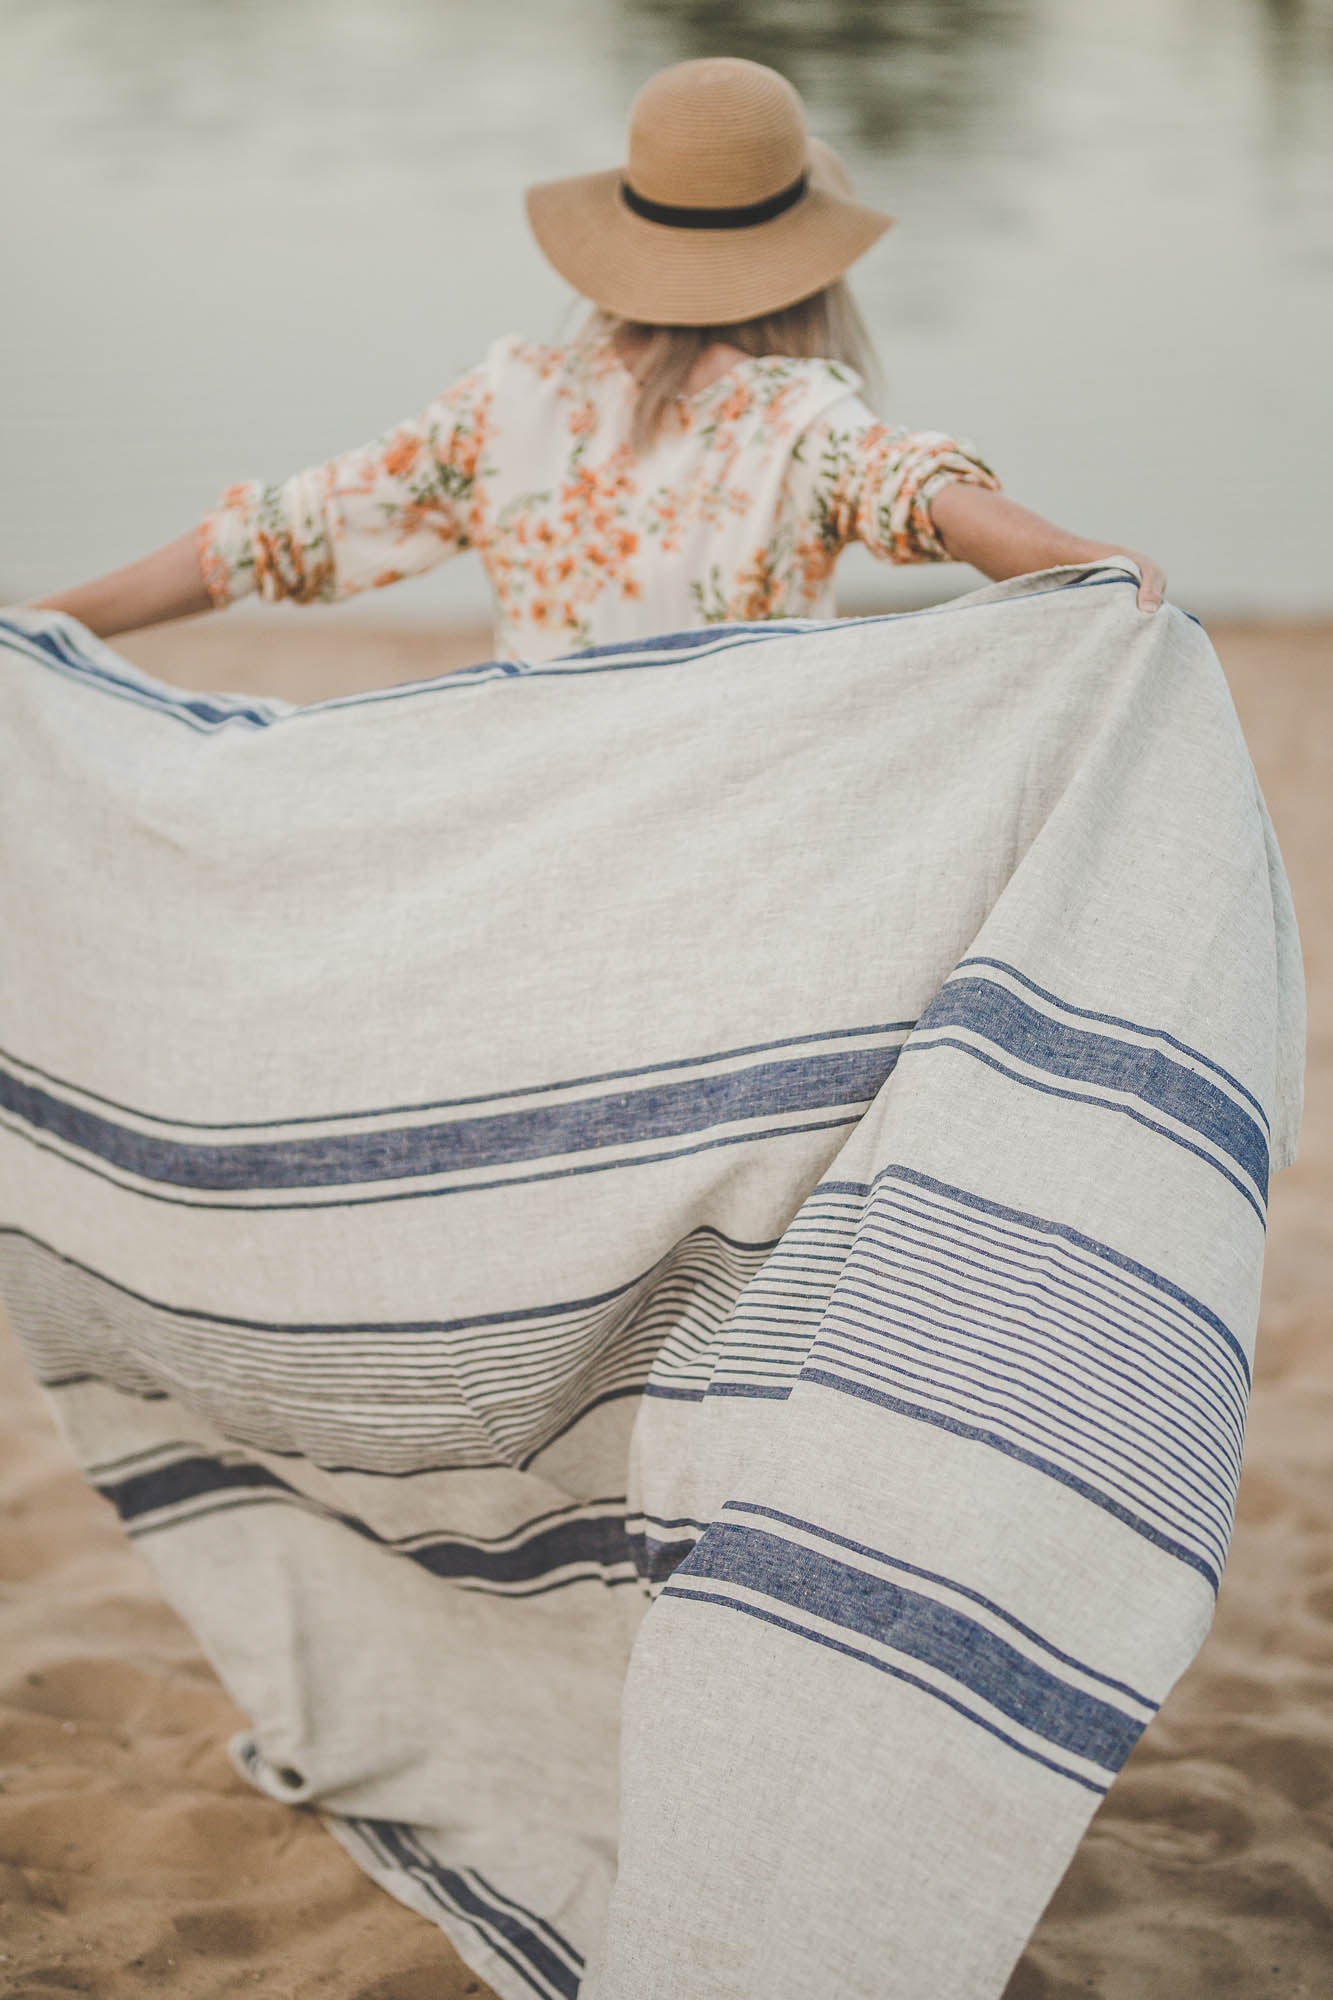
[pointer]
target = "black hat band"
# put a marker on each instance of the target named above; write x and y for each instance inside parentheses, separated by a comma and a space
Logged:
(714, 218)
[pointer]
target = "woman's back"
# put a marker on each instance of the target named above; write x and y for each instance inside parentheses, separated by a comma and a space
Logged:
(737, 510)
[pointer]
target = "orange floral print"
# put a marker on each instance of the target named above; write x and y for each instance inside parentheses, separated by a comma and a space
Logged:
(739, 511)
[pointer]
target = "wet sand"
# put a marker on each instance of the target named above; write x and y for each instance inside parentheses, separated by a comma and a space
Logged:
(133, 1860)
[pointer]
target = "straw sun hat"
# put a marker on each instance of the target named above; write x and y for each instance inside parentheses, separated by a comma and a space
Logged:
(726, 208)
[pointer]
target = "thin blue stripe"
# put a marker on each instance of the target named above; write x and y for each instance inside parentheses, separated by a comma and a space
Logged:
(1045, 1226)
(420, 1872)
(1095, 1328)
(669, 651)
(990, 1010)
(1197, 1441)
(976, 1435)
(502, 1896)
(53, 649)
(516, 1315)
(958, 1390)
(1213, 1476)
(1195, 1433)
(530, 1458)
(543, 1971)
(1092, 1322)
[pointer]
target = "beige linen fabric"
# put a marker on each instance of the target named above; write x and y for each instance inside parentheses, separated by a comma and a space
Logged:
(662, 1249)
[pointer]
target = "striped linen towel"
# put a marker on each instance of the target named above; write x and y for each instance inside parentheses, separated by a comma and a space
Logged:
(662, 1250)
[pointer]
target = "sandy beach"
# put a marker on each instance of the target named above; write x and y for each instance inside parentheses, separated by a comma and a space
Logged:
(134, 1861)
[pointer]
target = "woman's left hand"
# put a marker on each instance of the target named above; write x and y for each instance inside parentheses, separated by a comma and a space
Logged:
(1152, 585)
(1000, 538)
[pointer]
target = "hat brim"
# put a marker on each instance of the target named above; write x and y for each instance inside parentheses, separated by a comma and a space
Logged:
(667, 276)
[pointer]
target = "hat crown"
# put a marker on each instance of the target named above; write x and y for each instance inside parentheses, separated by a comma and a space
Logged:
(716, 133)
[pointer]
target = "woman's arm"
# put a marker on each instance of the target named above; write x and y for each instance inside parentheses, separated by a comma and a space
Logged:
(167, 584)
(1001, 539)
(387, 510)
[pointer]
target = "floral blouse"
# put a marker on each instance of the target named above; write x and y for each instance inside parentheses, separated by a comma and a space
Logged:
(738, 511)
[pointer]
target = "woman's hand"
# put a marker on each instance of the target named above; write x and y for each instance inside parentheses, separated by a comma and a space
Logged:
(1002, 539)
(1152, 585)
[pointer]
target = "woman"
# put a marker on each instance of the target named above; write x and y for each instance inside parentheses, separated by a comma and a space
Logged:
(700, 453)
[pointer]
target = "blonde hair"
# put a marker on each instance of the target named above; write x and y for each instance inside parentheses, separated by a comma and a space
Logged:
(826, 326)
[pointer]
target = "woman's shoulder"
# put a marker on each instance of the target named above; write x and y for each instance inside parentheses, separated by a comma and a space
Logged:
(780, 395)
(548, 361)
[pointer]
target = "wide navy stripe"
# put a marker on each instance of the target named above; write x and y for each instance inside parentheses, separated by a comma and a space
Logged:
(922, 1628)
(985, 1008)
(599, 1541)
(63, 1085)
(757, 1136)
(1241, 1185)
(850, 1652)
(1119, 1021)
(620, 1118)
(929, 1576)
(977, 1435)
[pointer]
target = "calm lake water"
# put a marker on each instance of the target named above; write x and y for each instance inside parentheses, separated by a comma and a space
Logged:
(242, 234)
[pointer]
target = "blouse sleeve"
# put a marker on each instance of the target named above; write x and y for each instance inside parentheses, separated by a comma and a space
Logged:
(874, 483)
(385, 511)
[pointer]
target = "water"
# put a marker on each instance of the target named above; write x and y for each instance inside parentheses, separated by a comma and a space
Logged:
(242, 234)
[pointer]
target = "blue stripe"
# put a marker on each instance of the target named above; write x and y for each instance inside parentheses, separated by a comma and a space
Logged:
(932, 1576)
(1086, 1308)
(985, 1008)
(764, 1133)
(659, 1560)
(671, 649)
(922, 1628)
(55, 648)
(1097, 1104)
(717, 1599)
(627, 1117)
(601, 1541)
(1118, 1021)
(502, 1896)
(542, 1970)
(976, 1435)
(932, 1310)
(1044, 1226)
(514, 1316)
(950, 1388)
(63, 1084)
(1217, 1463)
(1034, 1407)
